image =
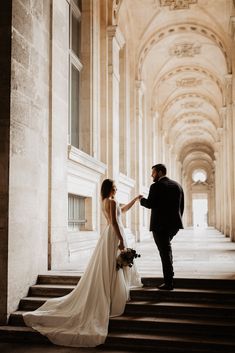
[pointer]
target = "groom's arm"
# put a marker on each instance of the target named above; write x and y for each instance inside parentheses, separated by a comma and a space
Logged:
(151, 200)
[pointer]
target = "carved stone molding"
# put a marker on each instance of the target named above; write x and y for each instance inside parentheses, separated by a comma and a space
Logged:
(232, 27)
(192, 70)
(185, 49)
(116, 7)
(188, 82)
(190, 105)
(177, 4)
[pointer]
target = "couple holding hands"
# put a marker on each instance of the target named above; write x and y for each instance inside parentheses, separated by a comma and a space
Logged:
(81, 318)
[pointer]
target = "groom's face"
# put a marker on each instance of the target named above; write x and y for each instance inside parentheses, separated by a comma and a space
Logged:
(155, 175)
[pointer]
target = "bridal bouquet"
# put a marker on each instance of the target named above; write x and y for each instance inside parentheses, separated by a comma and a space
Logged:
(126, 258)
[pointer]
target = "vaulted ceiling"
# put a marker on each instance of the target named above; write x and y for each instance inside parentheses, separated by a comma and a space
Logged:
(182, 54)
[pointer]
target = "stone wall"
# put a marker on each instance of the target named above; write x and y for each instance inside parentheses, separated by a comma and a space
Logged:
(5, 63)
(29, 141)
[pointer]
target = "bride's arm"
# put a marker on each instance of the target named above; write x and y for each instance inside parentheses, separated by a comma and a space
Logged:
(130, 204)
(113, 213)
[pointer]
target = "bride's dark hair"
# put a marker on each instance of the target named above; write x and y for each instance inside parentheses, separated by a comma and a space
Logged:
(106, 188)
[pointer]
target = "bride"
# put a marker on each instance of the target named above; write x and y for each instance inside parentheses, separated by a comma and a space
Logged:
(81, 318)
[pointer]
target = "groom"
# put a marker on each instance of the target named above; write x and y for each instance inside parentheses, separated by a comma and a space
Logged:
(166, 200)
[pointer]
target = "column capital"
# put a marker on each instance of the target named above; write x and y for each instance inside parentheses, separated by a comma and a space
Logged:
(155, 115)
(228, 78)
(223, 110)
(115, 32)
(140, 86)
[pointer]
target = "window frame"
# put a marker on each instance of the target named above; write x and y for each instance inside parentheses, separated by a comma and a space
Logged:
(73, 60)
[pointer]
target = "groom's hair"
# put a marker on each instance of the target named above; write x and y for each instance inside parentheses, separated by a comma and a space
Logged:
(160, 168)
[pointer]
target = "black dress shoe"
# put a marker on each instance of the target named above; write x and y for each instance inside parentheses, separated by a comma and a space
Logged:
(166, 286)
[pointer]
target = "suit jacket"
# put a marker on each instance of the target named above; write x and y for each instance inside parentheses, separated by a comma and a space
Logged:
(166, 201)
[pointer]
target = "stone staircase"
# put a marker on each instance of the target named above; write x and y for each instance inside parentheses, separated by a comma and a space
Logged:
(197, 316)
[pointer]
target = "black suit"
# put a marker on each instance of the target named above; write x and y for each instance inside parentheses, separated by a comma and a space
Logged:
(166, 201)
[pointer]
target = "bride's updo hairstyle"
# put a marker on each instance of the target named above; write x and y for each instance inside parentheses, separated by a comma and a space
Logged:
(106, 188)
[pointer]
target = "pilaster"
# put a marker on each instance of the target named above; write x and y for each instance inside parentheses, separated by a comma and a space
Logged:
(115, 43)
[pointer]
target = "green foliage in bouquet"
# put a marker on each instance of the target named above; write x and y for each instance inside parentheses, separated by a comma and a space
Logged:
(126, 258)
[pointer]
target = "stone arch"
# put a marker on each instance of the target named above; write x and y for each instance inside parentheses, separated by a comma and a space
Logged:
(202, 147)
(179, 97)
(194, 69)
(192, 115)
(187, 27)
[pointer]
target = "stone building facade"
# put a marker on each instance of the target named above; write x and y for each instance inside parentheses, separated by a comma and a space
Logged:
(107, 88)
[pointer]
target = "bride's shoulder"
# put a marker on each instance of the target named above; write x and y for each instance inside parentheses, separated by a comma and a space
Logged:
(110, 202)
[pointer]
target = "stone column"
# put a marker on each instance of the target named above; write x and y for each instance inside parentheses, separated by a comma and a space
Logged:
(155, 124)
(225, 171)
(221, 188)
(232, 161)
(5, 91)
(231, 124)
(188, 204)
(229, 171)
(140, 88)
(211, 210)
(115, 43)
(218, 191)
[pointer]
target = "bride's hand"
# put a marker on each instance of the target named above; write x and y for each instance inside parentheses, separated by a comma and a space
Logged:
(139, 197)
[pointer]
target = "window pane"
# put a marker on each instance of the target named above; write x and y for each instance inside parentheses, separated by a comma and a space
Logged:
(76, 212)
(74, 107)
(76, 35)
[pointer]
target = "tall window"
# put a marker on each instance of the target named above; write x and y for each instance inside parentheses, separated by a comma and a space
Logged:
(75, 71)
(76, 213)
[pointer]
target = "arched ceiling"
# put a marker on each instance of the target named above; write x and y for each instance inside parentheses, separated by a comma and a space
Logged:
(182, 55)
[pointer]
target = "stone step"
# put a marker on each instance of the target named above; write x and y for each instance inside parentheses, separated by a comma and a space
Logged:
(197, 316)
(162, 343)
(173, 309)
(158, 325)
(70, 280)
(196, 283)
(184, 294)
(162, 308)
(31, 303)
(162, 325)
(131, 342)
(50, 290)
(16, 318)
(145, 293)
(21, 334)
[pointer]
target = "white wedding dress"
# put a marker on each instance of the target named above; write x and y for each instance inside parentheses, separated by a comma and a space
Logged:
(81, 318)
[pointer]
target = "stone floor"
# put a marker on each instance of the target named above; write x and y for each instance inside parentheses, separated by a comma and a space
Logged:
(198, 253)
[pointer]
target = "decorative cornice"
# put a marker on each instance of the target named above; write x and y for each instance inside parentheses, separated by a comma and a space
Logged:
(86, 160)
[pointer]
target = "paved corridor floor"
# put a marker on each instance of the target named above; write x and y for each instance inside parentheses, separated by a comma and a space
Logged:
(198, 253)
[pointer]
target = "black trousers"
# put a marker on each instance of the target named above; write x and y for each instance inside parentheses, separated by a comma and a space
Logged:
(162, 238)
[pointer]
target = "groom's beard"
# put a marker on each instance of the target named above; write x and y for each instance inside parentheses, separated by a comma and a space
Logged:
(155, 179)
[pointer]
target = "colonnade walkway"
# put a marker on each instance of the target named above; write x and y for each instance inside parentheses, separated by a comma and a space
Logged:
(197, 253)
